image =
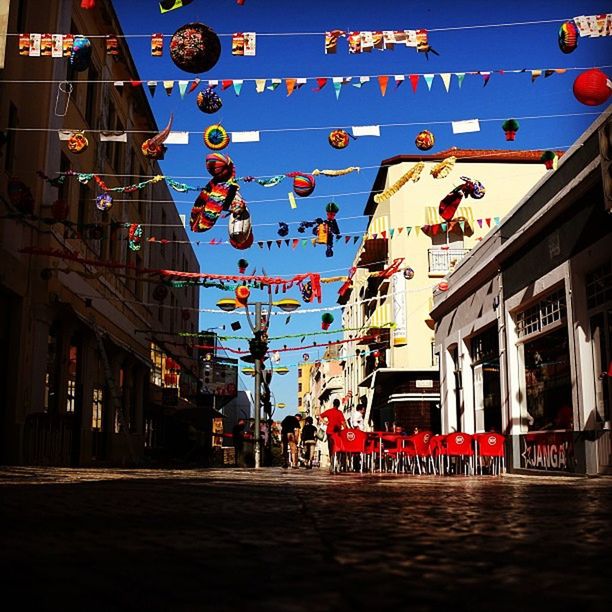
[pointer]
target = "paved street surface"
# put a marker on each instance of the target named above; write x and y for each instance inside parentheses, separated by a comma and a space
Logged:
(302, 540)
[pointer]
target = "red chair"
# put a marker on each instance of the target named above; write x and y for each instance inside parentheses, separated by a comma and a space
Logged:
(399, 449)
(422, 447)
(491, 446)
(353, 444)
(335, 450)
(459, 447)
(437, 445)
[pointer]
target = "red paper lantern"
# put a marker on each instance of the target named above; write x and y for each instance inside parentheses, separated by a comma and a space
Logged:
(592, 87)
(242, 295)
(443, 286)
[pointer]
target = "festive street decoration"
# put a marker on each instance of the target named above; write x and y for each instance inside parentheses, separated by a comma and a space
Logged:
(195, 48)
(443, 286)
(444, 168)
(220, 166)
(208, 101)
(408, 273)
(550, 160)
(306, 289)
(510, 127)
(80, 57)
(242, 295)
(135, 236)
(77, 143)
(414, 174)
(326, 320)
(216, 137)
(240, 227)
(424, 140)
(154, 148)
(339, 139)
(242, 265)
(324, 229)
(568, 37)
(104, 202)
(469, 187)
(303, 184)
(592, 87)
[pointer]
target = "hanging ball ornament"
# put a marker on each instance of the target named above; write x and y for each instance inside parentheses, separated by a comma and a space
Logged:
(219, 166)
(77, 143)
(104, 202)
(424, 140)
(216, 137)
(568, 37)
(303, 184)
(208, 101)
(80, 56)
(242, 295)
(510, 127)
(408, 273)
(339, 139)
(592, 87)
(327, 319)
(195, 48)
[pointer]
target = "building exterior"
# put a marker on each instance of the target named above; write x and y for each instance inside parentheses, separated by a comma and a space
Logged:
(524, 330)
(91, 371)
(303, 390)
(396, 371)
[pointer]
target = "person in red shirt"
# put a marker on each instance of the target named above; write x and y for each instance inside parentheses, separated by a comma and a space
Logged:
(335, 420)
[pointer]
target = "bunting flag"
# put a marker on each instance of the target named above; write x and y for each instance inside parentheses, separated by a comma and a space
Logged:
(414, 81)
(486, 76)
(194, 85)
(399, 79)
(238, 86)
(429, 80)
(460, 76)
(535, 74)
(226, 84)
(168, 86)
(152, 85)
(182, 85)
(260, 85)
(274, 83)
(446, 78)
(382, 82)
(290, 83)
(337, 86)
(321, 82)
(295, 242)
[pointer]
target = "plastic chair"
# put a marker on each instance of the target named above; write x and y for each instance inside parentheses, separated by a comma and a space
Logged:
(437, 446)
(424, 458)
(459, 446)
(353, 444)
(335, 449)
(491, 446)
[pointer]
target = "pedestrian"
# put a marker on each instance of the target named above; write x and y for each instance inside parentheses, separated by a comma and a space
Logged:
(335, 423)
(309, 441)
(358, 418)
(290, 436)
(238, 441)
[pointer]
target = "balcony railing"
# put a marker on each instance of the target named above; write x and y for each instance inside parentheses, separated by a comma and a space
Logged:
(440, 260)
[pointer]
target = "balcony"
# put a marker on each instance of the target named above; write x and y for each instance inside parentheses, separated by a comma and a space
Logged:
(440, 260)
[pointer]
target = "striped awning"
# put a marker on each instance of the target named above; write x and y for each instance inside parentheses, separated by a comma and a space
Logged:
(381, 316)
(463, 213)
(378, 226)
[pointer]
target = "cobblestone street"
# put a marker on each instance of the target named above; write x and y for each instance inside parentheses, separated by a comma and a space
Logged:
(274, 540)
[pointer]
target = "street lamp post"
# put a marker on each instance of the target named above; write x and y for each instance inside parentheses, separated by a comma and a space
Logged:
(258, 347)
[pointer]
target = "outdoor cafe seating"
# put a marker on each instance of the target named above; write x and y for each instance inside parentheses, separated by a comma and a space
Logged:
(422, 453)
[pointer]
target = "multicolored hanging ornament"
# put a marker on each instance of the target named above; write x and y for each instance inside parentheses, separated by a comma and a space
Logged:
(443, 168)
(104, 202)
(209, 205)
(306, 289)
(216, 137)
(135, 237)
(77, 143)
(80, 56)
(195, 48)
(339, 139)
(469, 187)
(408, 273)
(208, 101)
(283, 229)
(327, 319)
(424, 140)
(243, 264)
(474, 189)
(154, 148)
(550, 159)
(220, 166)
(511, 127)
(568, 37)
(303, 184)
(242, 295)
(240, 227)
(592, 87)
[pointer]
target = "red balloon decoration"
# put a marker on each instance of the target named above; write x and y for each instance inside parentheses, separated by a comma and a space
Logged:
(592, 87)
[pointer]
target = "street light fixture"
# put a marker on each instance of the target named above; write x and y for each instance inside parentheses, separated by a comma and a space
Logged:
(258, 347)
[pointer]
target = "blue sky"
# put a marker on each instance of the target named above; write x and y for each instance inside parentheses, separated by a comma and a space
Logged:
(461, 50)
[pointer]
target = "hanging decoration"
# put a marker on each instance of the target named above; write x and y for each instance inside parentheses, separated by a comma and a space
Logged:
(216, 137)
(324, 229)
(195, 48)
(220, 167)
(568, 37)
(327, 319)
(341, 172)
(104, 202)
(303, 184)
(242, 295)
(240, 227)
(510, 127)
(80, 56)
(243, 264)
(306, 290)
(414, 174)
(135, 236)
(550, 160)
(469, 187)
(444, 168)
(208, 101)
(422, 44)
(154, 148)
(408, 273)
(77, 143)
(170, 5)
(592, 87)
(339, 139)
(443, 286)
(424, 140)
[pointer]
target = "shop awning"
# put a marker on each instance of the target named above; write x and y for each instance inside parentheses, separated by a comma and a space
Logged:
(381, 317)
(461, 224)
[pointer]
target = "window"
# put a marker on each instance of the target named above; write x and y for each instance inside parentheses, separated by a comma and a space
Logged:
(542, 315)
(299, 387)
(599, 285)
(485, 346)
(97, 407)
(157, 358)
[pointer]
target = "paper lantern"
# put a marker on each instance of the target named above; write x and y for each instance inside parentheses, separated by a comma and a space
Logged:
(568, 37)
(104, 202)
(242, 295)
(339, 139)
(511, 127)
(219, 166)
(408, 273)
(208, 101)
(331, 209)
(216, 137)
(80, 56)
(592, 87)
(154, 148)
(424, 140)
(242, 265)
(443, 286)
(326, 320)
(195, 48)
(77, 143)
(303, 184)
(550, 160)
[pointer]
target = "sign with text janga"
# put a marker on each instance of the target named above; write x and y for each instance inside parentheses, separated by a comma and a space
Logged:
(551, 451)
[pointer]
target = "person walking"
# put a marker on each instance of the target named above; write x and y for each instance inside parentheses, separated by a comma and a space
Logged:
(309, 441)
(334, 417)
(290, 436)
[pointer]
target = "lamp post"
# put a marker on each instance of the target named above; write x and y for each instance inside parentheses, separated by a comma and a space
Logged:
(258, 346)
